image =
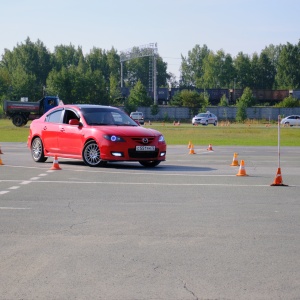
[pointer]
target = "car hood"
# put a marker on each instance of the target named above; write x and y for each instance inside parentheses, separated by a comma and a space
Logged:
(130, 131)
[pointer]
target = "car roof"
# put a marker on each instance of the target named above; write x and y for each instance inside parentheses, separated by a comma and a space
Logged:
(80, 106)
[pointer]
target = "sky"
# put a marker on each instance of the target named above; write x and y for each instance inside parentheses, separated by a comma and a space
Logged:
(177, 26)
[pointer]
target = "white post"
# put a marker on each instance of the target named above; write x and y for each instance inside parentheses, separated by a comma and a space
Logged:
(278, 141)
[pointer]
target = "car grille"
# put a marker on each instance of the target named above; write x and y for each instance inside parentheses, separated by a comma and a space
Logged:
(139, 140)
(142, 154)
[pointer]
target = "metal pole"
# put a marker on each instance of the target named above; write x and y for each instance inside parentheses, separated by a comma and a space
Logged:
(234, 91)
(278, 141)
(154, 80)
(121, 74)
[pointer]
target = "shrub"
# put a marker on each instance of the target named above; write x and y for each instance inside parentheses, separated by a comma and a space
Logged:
(289, 102)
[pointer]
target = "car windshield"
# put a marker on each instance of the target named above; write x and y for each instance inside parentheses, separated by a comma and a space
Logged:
(136, 115)
(106, 116)
(202, 115)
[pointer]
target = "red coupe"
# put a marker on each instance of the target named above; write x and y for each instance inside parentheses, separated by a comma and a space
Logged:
(97, 134)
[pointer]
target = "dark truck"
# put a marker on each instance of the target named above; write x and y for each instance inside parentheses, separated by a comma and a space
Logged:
(21, 112)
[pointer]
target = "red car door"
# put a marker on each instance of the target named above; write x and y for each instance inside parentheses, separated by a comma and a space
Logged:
(50, 130)
(70, 137)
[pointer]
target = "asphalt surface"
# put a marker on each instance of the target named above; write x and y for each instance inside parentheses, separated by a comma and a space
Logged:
(187, 229)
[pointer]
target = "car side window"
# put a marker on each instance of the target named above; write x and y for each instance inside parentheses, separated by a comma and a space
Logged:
(54, 117)
(68, 115)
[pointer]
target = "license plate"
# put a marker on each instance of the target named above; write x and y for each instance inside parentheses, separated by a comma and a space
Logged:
(145, 148)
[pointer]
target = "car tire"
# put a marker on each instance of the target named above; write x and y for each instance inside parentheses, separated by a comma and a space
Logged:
(215, 123)
(206, 123)
(150, 164)
(37, 150)
(91, 155)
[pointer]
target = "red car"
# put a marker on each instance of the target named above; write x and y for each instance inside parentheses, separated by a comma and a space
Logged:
(97, 134)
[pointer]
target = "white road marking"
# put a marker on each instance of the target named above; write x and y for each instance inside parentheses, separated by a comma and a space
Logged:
(21, 208)
(13, 187)
(3, 192)
(25, 182)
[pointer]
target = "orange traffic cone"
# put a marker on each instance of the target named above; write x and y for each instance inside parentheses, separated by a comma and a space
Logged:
(210, 148)
(278, 179)
(1, 163)
(242, 171)
(192, 149)
(1, 151)
(234, 160)
(55, 165)
(189, 145)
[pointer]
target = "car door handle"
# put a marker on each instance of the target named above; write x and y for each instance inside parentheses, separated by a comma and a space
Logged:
(45, 128)
(62, 130)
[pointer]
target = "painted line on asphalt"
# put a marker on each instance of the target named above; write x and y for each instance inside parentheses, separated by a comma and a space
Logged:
(149, 183)
(3, 192)
(33, 179)
(18, 208)
(13, 187)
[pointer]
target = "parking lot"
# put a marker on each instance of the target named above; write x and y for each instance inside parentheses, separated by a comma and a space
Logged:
(187, 229)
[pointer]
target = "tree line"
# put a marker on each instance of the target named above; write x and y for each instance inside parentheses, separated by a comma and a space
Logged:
(31, 70)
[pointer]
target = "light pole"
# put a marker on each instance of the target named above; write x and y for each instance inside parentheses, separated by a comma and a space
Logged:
(234, 90)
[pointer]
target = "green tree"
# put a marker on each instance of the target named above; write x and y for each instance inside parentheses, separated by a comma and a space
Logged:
(177, 99)
(247, 97)
(32, 60)
(288, 73)
(114, 91)
(24, 85)
(223, 101)
(113, 61)
(242, 66)
(140, 69)
(5, 83)
(246, 100)
(192, 66)
(262, 72)
(267, 71)
(210, 75)
(241, 114)
(218, 71)
(66, 56)
(137, 97)
(77, 85)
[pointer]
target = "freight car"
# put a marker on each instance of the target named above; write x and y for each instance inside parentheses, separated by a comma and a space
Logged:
(262, 96)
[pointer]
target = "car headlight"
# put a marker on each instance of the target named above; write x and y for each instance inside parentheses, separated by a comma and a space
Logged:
(113, 138)
(161, 138)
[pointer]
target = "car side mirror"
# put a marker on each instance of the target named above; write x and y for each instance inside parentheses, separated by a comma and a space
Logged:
(74, 122)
